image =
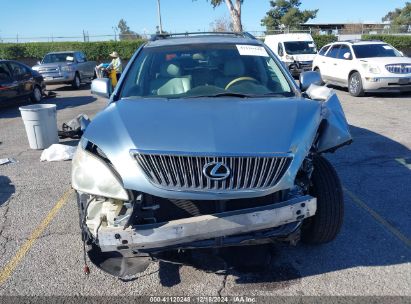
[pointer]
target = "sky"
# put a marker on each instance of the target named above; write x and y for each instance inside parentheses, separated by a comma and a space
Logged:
(39, 18)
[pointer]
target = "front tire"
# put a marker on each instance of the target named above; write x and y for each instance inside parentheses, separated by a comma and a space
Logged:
(355, 86)
(37, 95)
(76, 82)
(324, 226)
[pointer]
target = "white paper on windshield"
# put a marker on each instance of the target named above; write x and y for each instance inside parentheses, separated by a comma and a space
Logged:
(387, 47)
(251, 50)
(311, 45)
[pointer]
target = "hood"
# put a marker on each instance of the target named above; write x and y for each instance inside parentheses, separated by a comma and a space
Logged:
(207, 126)
(196, 125)
(386, 60)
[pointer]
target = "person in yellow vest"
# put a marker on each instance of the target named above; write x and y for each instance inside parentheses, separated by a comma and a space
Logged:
(116, 64)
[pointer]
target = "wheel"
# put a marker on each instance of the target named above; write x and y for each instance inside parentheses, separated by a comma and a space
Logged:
(355, 85)
(319, 72)
(76, 82)
(324, 226)
(36, 95)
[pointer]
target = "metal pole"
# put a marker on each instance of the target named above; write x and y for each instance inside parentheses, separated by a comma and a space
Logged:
(115, 33)
(159, 16)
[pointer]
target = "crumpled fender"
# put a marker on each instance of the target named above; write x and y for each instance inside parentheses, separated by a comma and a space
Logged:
(334, 130)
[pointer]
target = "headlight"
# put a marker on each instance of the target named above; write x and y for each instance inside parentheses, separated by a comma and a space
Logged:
(92, 175)
(67, 68)
(371, 68)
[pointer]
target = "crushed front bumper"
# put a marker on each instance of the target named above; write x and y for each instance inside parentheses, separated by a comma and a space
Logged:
(179, 233)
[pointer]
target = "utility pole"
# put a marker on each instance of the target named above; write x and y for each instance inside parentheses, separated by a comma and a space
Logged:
(159, 17)
(115, 33)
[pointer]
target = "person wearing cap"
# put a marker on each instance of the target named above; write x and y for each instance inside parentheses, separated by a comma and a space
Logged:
(116, 64)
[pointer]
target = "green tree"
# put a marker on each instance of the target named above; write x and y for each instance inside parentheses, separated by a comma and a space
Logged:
(399, 16)
(125, 32)
(234, 8)
(286, 13)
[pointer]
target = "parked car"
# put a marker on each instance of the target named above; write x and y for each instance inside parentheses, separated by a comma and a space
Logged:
(67, 68)
(207, 142)
(296, 51)
(364, 66)
(18, 81)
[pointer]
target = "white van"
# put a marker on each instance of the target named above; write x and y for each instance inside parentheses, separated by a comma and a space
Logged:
(296, 51)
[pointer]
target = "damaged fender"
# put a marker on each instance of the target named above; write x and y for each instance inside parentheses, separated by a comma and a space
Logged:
(334, 130)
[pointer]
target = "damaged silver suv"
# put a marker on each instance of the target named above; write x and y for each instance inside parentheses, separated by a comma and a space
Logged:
(207, 141)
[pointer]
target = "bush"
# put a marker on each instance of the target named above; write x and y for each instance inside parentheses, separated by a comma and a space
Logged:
(321, 40)
(97, 51)
(401, 42)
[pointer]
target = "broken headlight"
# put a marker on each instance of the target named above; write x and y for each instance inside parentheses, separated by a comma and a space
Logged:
(92, 175)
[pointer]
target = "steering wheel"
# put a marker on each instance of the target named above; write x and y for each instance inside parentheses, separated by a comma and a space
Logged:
(238, 80)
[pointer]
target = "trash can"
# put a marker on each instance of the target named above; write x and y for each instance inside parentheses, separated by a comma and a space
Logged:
(40, 121)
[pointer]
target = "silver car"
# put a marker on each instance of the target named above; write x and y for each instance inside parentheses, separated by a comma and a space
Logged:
(207, 141)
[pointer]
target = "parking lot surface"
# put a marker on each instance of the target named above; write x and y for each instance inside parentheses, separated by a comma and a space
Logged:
(41, 250)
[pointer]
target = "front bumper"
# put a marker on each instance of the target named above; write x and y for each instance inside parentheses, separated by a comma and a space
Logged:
(179, 233)
(298, 67)
(387, 84)
(53, 78)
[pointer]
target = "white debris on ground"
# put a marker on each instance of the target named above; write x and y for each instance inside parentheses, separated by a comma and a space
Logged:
(5, 161)
(58, 152)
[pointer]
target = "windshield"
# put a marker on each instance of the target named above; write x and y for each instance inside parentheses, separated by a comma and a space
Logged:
(375, 50)
(300, 47)
(60, 57)
(184, 71)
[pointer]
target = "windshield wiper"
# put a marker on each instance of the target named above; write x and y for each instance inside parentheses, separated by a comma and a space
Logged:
(225, 94)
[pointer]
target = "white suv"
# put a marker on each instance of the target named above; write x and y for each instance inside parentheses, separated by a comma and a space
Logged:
(364, 66)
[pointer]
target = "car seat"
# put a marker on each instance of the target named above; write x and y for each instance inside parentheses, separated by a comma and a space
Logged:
(170, 81)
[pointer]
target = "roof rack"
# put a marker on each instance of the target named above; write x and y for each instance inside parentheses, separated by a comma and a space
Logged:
(190, 34)
(359, 40)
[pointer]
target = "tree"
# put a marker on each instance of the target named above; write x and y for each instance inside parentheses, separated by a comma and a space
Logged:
(286, 13)
(399, 16)
(125, 32)
(221, 25)
(234, 7)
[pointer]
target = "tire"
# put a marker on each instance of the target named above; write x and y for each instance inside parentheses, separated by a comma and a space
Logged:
(37, 95)
(319, 72)
(324, 226)
(76, 82)
(355, 85)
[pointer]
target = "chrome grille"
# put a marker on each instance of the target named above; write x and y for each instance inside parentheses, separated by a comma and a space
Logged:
(49, 70)
(399, 68)
(186, 172)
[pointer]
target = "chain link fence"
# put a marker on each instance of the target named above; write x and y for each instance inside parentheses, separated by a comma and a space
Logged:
(314, 29)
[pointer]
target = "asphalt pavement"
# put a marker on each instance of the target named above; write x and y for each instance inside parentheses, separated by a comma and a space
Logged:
(41, 250)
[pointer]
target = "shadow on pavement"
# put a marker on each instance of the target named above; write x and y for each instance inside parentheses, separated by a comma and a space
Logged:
(6, 189)
(367, 168)
(61, 103)
(374, 95)
(68, 88)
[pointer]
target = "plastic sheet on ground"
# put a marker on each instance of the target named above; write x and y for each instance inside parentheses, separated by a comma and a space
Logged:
(58, 152)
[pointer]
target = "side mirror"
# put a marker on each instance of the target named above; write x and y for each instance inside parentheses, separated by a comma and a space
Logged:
(101, 87)
(402, 54)
(38, 62)
(347, 55)
(309, 78)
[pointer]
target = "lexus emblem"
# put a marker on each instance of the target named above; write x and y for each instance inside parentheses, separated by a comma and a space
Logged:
(216, 171)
